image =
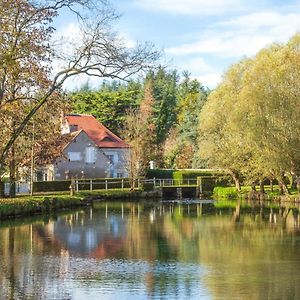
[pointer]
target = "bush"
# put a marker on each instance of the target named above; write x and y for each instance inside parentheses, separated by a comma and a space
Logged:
(160, 173)
(84, 184)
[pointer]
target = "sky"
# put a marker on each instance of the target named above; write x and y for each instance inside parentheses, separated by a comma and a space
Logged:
(205, 37)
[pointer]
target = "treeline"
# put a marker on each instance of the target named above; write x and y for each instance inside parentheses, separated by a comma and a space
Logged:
(165, 105)
(250, 124)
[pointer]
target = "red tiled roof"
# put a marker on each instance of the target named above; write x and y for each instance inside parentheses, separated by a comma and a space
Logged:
(97, 132)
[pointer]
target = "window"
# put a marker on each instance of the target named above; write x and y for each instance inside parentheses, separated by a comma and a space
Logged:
(90, 156)
(74, 156)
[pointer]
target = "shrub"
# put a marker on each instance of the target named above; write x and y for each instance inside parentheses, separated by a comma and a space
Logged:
(84, 184)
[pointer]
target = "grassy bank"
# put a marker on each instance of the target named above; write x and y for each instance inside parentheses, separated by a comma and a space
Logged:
(231, 193)
(37, 204)
(53, 202)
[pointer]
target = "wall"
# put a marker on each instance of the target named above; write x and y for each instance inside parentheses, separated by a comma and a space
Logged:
(102, 166)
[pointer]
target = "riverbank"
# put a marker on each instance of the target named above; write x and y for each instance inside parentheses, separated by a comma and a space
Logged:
(47, 203)
(246, 192)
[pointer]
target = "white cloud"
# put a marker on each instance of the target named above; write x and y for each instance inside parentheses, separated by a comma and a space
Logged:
(192, 7)
(244, 35)
(210, 80)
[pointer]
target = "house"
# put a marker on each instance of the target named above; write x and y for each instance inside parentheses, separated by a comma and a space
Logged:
(90, 151)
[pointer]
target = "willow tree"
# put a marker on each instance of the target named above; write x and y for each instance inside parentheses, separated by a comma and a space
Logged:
(222, 125)
(27, 55)
(251, 121)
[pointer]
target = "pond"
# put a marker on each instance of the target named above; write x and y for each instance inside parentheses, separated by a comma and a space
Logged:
(168, 250)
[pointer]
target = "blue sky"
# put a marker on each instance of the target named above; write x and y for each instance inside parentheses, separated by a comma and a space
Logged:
(206, 36)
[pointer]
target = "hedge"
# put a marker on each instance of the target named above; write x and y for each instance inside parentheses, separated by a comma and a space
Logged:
(1, 189)
(183, 175)
(160, 173)
(84, 184)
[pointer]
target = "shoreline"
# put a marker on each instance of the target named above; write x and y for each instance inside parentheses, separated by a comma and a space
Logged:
(23, 206)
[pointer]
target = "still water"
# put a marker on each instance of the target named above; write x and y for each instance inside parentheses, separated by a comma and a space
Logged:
(170, 250)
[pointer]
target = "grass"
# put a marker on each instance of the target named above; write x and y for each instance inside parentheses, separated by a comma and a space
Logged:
(231, 193)
(49, 202)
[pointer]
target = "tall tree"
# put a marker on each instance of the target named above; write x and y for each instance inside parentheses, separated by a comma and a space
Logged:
(165, 95)
(250, 123)
(139, 133)
(26, 55)
(108, 104)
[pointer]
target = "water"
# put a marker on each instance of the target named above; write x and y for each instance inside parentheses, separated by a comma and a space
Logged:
(170, 250)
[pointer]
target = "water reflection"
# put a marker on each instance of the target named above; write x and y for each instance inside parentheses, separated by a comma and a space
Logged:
(171, 250)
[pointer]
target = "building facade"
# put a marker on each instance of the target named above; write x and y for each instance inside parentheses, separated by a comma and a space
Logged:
(92, 151)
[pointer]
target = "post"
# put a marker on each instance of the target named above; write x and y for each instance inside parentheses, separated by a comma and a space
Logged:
(200, 185)
(122, 184)
(106, 184)
(72, 187)
(77, 186)
(91, 185)
(154, 182)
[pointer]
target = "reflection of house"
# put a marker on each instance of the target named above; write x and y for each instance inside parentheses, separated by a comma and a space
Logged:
(91, 151)
(99, 237)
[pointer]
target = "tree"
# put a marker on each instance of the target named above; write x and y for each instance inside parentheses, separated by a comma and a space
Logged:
(108, 104)
(250, 124)
(139, 133)
(26, 56)
(165, 101)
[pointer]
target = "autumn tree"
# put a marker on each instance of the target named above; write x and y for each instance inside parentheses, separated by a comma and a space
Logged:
(139, 133)
(27, 52)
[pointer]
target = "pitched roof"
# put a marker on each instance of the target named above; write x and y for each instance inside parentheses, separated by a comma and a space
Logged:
(97, 132)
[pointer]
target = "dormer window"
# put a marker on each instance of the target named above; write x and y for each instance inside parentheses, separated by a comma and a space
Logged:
(73, 128)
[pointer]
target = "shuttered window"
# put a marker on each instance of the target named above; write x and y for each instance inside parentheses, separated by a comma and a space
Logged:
(90, 155)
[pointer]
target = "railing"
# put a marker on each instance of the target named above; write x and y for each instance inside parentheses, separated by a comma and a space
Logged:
(94, 184)
(121, 184)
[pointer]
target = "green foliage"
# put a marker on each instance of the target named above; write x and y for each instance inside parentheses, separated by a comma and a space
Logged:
(181, 148)
(30, 205)
(160, 173)
(165, 94)
(109, 104)
(250, 124)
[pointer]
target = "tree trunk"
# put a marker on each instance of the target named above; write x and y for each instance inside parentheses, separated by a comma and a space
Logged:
(283, 187)
(261, 186)
(253, 187)
(12, 173)
(236, 181)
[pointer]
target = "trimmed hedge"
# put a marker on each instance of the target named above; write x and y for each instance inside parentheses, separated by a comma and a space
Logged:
(160, 173)
(181, 176)
(84, 184)
(1, 189)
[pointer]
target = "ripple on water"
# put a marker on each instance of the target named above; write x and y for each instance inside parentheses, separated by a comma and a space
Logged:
(121, 278)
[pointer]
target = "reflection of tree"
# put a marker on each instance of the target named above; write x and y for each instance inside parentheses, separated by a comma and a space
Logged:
(160, 248)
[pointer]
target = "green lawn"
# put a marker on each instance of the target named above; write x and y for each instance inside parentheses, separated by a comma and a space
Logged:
(231, 193)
